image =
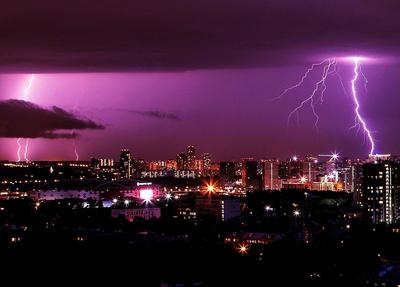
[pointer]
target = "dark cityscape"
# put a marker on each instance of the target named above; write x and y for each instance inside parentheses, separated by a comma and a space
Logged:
(200, 143)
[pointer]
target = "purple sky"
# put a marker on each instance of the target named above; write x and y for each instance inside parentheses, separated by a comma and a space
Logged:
(160, 75)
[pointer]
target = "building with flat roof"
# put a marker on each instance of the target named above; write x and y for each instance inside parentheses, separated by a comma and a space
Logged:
(131, 214)
(218, 208)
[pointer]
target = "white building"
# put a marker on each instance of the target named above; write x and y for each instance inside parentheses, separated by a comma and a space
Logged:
(131, 213)
(45, 195)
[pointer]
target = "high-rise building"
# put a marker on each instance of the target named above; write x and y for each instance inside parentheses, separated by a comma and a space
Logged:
(125, 164)
(380, 191)
(138, 166)
(198, 166)
(250, 177)
(270, 174)
(171, 164)
(283, 170)
(181, 161)
(227, 172)
(206, 164)
(355, 183)
(191, 157)
(295, 168)
(106, 162)
(94, 164)
(310, 168)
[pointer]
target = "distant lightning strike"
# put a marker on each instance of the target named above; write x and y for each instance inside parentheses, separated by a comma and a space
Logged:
(74, 145)
(19, 150)
(76, 151)
(28, 87)
(26, 150)
(329, 68)
(25, 98)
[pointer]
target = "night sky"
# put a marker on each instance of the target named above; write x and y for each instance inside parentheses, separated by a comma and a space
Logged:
(154, 76)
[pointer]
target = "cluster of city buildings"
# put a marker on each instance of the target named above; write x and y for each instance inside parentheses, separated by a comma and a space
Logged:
(322, 172)
(374, 182)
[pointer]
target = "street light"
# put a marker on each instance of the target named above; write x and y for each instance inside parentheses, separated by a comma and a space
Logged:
(242, 248)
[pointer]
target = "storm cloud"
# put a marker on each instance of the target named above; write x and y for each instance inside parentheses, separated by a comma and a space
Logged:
(157, 115)
(20, 119)
(159, 35)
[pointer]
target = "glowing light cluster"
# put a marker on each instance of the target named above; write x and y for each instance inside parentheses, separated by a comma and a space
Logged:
(210, 188)
(146, 194)
(243, 248)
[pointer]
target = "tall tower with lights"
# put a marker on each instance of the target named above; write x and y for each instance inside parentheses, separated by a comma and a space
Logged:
(381, 191)
(125, 164)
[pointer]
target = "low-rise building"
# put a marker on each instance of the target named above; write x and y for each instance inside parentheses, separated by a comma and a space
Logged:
(131, 213)
(218, 208)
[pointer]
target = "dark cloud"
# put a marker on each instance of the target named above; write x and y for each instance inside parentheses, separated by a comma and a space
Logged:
(146, 113)
(111, 35)
(26, 120)
(158, 115)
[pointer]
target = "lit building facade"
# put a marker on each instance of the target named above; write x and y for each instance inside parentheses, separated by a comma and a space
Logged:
(181, 161)
(125, 164)
(131, 214)
(191, 157)
(270, 175)
(206, 164)
(218, 208)
(49, 195)
(380, 188)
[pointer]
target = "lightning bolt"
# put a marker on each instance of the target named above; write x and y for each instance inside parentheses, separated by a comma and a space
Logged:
(360, 120)
(74, 141)
(19, 150)
(26, 150)
(317, 95)
(303, 78)
(320, 86)
(28, 87)
(25, 98)
(76, 151)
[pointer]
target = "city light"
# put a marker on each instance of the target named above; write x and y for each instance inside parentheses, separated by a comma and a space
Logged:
(268, 208)
(210, 188)
(243, 248)
(146, 194)
(296, 213)
(168, 196)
